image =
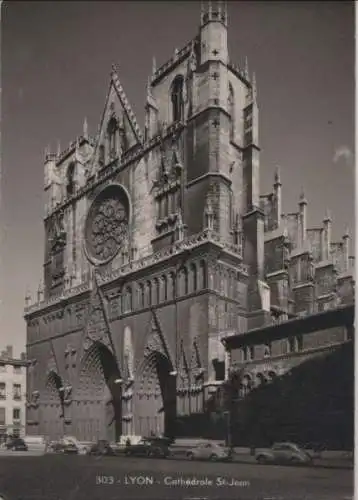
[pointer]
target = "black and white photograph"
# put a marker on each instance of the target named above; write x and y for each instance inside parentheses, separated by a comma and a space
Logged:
(177, 250)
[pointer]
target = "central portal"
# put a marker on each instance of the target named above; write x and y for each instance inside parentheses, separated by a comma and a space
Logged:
(155, 407)
(99, 401)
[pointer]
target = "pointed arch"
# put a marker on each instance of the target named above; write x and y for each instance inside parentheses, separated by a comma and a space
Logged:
(99, 376)
(156, 291)
(164, 283)
(202, 282)
(193, 277)
(177, 98)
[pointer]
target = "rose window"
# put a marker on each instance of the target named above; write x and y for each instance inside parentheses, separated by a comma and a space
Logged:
(107, 224)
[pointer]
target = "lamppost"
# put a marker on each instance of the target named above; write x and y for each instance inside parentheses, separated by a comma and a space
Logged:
(61, 391)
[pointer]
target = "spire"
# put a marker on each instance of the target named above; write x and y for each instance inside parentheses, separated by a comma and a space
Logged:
(58, 149)
(154, 66)
(85, 128)
(150, 98)
(327, 217)
(254, 88)
(246, 70)
(303, 200)
(47, 151)
(277, 177)
(202, 12)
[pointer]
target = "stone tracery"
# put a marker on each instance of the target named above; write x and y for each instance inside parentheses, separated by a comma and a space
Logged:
(107, 224)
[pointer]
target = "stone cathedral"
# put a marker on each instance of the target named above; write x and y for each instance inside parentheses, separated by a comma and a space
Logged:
(157, 245)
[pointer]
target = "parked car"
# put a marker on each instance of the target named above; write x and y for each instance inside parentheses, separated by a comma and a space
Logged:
(102, 447)
(64, 446)
(208, 450)
(82, 446)
(16, 444)
(149, 447)
(284, 453)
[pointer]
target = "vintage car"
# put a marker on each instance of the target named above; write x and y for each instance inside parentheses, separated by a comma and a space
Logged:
(149, 447)
(208, 450)
(63, 446)
(102, 447)
(284, 453)
(16, 444)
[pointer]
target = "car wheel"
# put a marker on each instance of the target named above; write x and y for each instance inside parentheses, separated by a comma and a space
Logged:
(262, 460)
(190, 456)
(214, 457)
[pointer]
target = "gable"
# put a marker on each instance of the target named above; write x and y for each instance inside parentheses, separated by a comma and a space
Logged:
(117, 106)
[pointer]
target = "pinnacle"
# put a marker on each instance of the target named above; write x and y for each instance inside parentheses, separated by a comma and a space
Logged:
(327, 217)
(246, 70)
(85, 128)
(277, 176)
(303, 200)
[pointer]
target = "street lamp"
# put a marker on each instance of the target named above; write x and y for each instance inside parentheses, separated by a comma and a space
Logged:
(62, 402)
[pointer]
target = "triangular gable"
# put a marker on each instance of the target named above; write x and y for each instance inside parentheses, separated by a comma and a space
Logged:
(117, 105)
(155, 340)
(196, 367)
(52, 362)
(97, 326)
(184, 367)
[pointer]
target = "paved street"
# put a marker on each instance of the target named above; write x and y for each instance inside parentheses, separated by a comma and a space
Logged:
(58, 477)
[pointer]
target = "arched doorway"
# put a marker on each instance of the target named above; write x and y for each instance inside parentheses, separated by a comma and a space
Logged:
(52, 418)
(155, 403)
(98, 410)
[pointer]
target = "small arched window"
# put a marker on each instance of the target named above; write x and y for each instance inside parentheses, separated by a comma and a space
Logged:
(194, 276)
(156, 298)
(231, 110)
(141, 295)
(70, 184)
(165, 287)
(112, 130)
(101, 155)
(177, 98)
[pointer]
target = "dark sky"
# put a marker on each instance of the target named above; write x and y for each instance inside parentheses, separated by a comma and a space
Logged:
(56, 61)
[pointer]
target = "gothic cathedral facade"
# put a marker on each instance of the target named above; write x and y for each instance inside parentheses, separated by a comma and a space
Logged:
(155, 251)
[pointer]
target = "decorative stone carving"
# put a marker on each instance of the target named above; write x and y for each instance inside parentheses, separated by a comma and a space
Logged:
(107, 224)
(57, 232)
(97, 325)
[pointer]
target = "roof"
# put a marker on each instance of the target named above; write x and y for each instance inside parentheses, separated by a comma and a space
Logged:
(342, 315)
(4, 360)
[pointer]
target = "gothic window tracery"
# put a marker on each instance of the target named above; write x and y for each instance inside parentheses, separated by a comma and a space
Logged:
(107, 224)
(70, 184)
(231, 109)
(177, 98)
(112, 131)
